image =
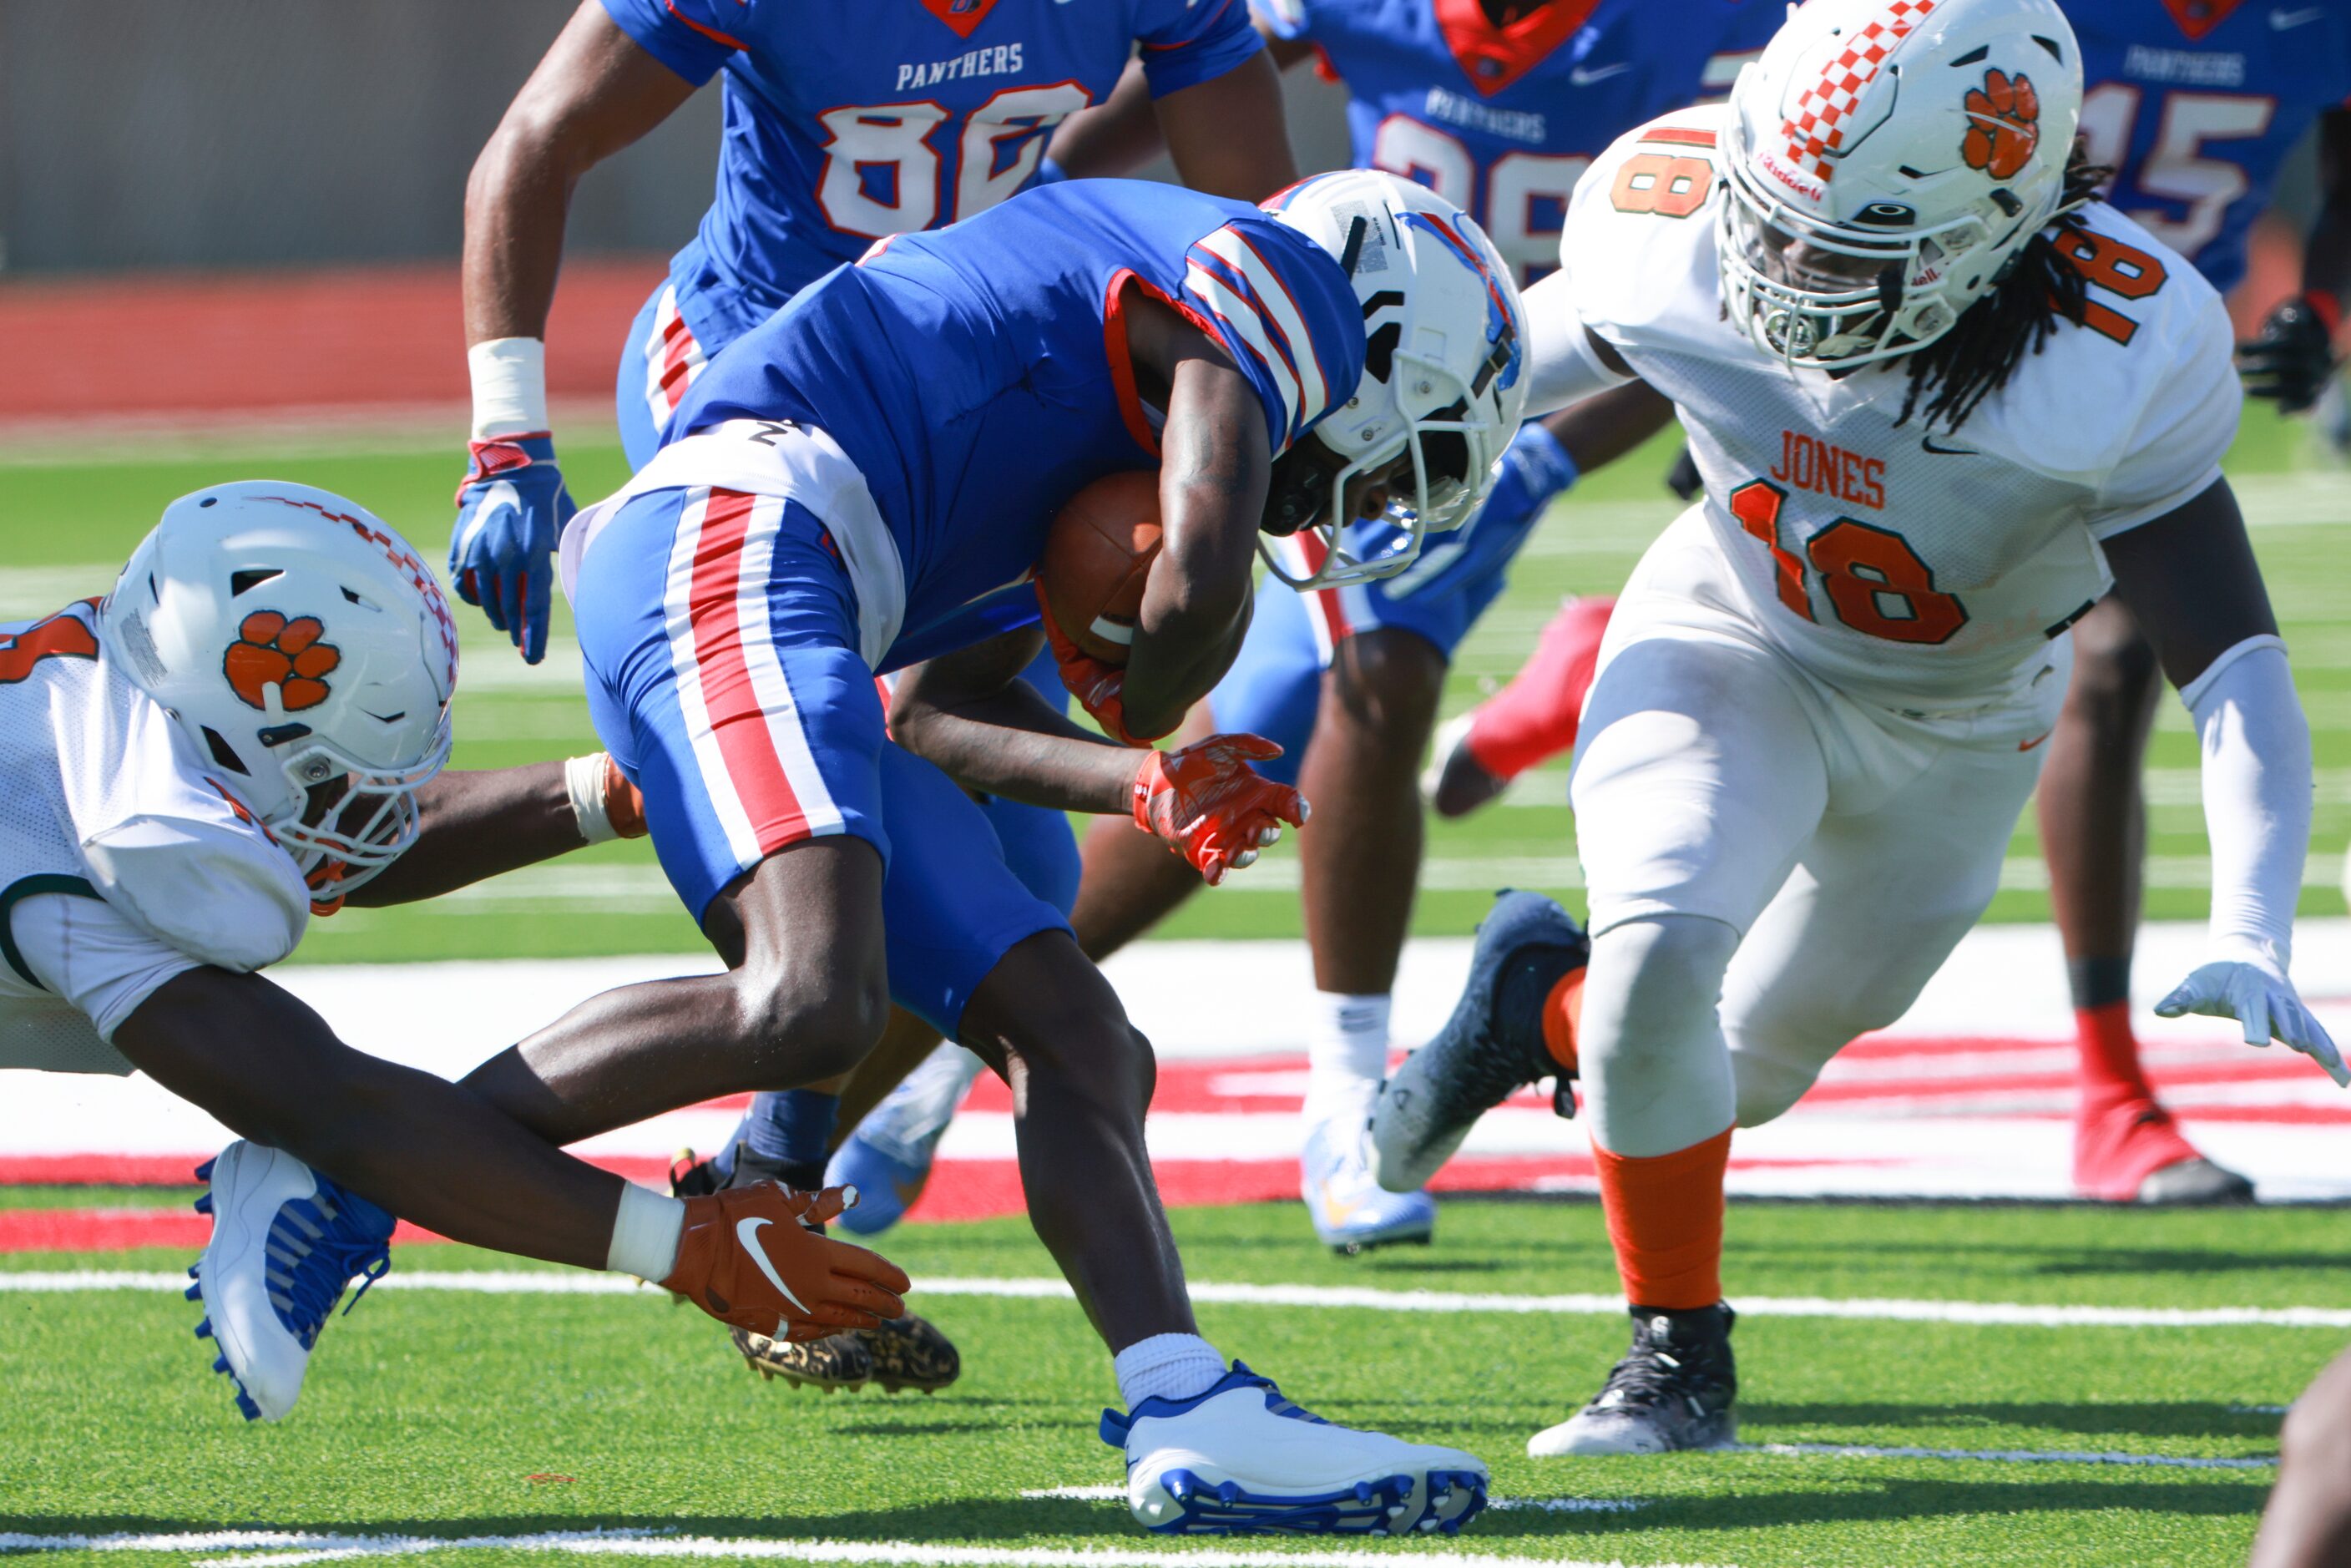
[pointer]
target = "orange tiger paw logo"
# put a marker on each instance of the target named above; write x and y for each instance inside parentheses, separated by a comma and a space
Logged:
(2003, 124)
(273, 651)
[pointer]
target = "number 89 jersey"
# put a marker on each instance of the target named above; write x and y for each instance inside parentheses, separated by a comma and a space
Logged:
(1918, 567)
(852, 120)
(1503, 121)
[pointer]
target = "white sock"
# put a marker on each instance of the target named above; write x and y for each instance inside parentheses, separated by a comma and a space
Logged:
(645, 1234)
(1346, 1057)
(1167, 1365)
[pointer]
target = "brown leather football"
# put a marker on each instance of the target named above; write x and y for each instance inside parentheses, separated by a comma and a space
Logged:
(1097, 555)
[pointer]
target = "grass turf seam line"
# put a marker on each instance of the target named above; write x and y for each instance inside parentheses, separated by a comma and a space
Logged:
(1493, 1505)
(912, 1553)
(2007, 1314)
(2002, 1456)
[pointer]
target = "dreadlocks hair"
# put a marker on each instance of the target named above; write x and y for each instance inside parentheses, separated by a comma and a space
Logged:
(1992, 337)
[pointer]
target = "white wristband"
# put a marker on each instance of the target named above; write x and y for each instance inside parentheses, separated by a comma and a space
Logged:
(646, 1231)
(509, 387)
(583, 780)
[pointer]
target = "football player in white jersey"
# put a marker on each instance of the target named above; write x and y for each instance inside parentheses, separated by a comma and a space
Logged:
(250, 729)
(1942, 400)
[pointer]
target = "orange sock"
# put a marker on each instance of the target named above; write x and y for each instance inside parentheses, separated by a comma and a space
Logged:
(1664, 1220)
(1563, 1011)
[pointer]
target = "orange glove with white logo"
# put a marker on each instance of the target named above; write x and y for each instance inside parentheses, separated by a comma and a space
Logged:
(1211, 807)
(1099, 688)
(749, 1258)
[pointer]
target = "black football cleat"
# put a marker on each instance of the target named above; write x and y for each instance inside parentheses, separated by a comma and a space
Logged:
(1672, 1391)
(1491, 1047)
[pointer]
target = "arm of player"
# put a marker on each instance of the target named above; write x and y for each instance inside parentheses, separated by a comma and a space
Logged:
(1215, 467)
(474, 825)
(2191, 578)
(2292, 359)
(595, 92)
(971, 714)
(1228, 135)
(1567, 362)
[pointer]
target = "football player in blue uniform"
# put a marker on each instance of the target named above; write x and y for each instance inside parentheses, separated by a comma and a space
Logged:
(2195, 105)
(1498, 107)
(863, 482)
(836, 135)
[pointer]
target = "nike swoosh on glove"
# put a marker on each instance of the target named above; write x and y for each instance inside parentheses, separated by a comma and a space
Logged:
(2260, 998)
(511, 508)
(751, 1257)
(2293, 358)
(1211, 807)
(1099, 688)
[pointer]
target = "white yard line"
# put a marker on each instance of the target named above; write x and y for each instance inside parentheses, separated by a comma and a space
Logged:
(920, 1554)
(1494, 1505)
(2013, 1315)
(2000, 1456)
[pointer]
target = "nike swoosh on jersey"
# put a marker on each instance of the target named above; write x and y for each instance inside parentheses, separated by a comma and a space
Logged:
(747, 1231)
(2029, 745)
(1927, 443)
(1585, 77)
(2281, 21)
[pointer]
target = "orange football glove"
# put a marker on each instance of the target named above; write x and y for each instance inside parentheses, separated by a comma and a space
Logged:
(1211, 807)
(1099, 688)
(749, 1258)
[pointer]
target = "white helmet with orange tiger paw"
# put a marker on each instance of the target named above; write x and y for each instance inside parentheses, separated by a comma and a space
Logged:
(1886, 161)
(301, 644)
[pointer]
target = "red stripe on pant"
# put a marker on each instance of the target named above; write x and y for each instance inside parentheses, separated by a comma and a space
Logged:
(677, 367)
(737, 719)
(1313, 552)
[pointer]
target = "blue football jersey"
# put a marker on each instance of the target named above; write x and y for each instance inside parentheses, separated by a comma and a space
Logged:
(979, 376)
(1502, 121)
(2196, 103)
(850, 120)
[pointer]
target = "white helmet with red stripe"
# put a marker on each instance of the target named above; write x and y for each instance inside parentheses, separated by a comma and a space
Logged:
(1886, 161)
(300, 643)
(1444, 341)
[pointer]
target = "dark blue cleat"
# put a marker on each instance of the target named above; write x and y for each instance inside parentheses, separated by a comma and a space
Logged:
(1490, 1047)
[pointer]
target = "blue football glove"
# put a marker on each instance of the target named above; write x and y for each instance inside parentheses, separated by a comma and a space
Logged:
(1535, 471)
(511, 511)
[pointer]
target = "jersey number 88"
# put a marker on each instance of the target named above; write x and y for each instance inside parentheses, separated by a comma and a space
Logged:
(882, 175)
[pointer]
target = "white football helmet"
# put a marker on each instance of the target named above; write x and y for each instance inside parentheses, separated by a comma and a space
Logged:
(1887, 159)
(1446, 343)
(299, 641)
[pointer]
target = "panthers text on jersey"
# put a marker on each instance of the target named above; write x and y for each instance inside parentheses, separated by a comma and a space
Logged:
(1503, 121)
(122, 862)
(2195, 104)
(848, 123)
(1914, 565)
(977, 377)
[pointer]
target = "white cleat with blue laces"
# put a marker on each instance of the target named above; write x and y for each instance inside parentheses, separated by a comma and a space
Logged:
(1353, 1213)
(1240, 1459)
(286, 1242)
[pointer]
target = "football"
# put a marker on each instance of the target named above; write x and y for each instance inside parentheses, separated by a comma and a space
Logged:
(1097, 555)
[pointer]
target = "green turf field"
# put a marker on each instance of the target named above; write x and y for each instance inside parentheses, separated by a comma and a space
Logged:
(456, 1415)
(66, 522)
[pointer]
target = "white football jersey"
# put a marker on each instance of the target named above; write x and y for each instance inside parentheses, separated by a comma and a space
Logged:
(1921, 566)
(122, 862)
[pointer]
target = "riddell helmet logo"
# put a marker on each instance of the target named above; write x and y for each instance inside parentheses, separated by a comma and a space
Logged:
(270, 651)
(2003, 124)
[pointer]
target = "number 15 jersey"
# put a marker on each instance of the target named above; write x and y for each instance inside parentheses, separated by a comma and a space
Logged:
(1912, 565)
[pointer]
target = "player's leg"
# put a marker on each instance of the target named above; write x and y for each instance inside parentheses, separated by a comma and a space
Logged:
(2092, 811)
(1697, 781)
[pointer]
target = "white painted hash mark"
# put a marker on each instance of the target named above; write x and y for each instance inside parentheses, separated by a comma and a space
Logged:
(1866, 1309)
(2001, 1455)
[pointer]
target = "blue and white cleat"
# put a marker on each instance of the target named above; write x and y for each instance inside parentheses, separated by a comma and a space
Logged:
(286, 1242)
(1240, 1459)
(1353, 1213)
(888, 1158)
(1490, 1047)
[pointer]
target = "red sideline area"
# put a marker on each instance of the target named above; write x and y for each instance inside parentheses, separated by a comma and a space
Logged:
(236, 346)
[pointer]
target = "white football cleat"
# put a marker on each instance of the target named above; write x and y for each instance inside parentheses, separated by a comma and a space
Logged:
(1239, 1457)
(1352, 1213)
(286, 1241)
